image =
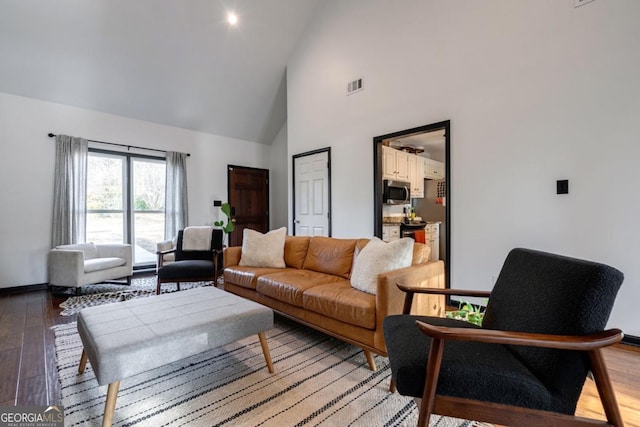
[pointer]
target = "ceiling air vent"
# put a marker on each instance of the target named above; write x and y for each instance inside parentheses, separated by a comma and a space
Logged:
(354, 86)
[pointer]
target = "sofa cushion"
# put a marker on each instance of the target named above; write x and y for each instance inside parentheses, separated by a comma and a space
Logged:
(289, 286)
(342, 302)
(247, 277)
(360, 244)
(379, 257)
(177, 270)
(330, 255)
(89, 250)
(97, 264)
(295, 250)
(263, 250)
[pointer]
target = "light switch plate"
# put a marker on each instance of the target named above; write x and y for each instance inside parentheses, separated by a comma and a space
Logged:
(581, 2)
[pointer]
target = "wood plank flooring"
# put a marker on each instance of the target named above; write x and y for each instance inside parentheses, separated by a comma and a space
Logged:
(28, 373)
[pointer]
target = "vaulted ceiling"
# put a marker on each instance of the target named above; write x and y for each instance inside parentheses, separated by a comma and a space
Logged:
(177, 63)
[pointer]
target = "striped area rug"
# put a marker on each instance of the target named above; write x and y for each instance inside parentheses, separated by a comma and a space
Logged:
(319, 381)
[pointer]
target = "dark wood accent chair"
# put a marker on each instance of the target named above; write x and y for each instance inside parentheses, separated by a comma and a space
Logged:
(191, 266)
(543, 331)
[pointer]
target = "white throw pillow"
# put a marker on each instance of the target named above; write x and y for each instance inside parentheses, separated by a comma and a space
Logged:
(263, 250)
(379, 257)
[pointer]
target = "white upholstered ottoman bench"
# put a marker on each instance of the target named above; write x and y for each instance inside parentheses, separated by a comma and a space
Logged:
(126, 338)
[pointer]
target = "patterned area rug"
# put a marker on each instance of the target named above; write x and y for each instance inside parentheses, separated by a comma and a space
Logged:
(319, 381)
(107, 293)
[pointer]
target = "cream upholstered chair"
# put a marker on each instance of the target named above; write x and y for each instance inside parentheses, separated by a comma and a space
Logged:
(82, 264)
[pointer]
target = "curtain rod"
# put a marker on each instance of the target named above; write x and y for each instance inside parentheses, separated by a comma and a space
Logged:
(51, 135)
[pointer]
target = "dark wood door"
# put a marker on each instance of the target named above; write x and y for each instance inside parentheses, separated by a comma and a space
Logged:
(249, 200)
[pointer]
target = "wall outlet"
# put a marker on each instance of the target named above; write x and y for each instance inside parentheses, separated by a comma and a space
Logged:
(578, 3)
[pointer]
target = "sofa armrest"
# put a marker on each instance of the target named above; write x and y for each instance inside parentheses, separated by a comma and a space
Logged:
(390, 299)
(232, 255)
(66, 267)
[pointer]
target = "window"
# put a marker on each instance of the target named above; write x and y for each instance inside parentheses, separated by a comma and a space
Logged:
(125, 202)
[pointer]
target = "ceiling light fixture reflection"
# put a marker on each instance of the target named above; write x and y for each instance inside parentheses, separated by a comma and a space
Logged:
(232, 18)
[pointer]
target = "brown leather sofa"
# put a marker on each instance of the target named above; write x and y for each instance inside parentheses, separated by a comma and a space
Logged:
(314, 289)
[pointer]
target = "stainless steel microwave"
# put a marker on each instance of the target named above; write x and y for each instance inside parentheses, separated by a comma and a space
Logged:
(396, 192)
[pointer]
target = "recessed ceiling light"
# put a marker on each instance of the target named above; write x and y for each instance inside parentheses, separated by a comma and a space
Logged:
(232, 18)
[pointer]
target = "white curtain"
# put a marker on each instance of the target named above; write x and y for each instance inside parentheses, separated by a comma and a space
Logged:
(175, 209)
(70, 191)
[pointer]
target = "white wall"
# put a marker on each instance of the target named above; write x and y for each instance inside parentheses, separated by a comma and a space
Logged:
(536, 90)
(278, 186)
(27, 164)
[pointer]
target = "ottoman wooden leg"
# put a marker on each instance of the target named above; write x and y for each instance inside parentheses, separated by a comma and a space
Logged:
(83, 362)
(110, 404)
(265, 351)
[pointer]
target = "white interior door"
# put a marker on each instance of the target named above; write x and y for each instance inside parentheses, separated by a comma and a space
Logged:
(311, 216)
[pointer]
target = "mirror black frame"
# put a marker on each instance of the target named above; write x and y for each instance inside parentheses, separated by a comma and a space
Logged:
(377, 183)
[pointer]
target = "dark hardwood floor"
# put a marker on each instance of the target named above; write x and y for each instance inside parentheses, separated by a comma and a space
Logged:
(27, 352)
(29, 377)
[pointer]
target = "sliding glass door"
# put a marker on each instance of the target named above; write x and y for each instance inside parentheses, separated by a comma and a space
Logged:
(125, 202)
(148, 178)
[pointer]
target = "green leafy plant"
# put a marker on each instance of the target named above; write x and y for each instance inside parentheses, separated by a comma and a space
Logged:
(228, 228)
(467, 312)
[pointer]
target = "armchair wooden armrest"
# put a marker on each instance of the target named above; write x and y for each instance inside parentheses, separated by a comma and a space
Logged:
(461, 292)
(410, 291)
(161, 255)
(167, 251)
(563, 342)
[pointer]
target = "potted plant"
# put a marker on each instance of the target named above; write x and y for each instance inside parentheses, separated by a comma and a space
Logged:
(229, 226)
(467, 312)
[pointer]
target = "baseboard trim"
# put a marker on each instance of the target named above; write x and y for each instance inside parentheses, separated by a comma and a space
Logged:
(24, 288)
(45, 286)
(631, 340)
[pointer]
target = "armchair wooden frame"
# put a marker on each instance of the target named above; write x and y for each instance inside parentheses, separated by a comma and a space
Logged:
(504, 414)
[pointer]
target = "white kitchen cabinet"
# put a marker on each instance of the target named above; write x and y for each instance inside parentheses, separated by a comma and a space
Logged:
(433, 169)
(402, 165)
(395, 164)
(432, 238)
(388, 163)
(390, 232)
(416, 174)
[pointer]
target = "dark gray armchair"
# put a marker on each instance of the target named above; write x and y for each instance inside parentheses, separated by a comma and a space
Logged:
(191, 265)
(543, 331)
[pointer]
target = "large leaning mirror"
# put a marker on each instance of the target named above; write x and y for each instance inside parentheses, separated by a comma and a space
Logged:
(412, 170)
